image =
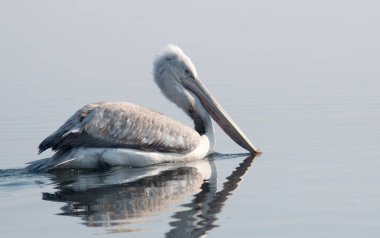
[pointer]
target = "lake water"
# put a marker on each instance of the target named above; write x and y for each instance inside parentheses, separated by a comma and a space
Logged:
(301, 79)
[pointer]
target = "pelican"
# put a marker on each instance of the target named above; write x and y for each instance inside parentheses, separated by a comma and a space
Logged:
(122, 133)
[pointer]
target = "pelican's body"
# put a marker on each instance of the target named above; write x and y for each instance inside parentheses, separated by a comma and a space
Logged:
(121, 133)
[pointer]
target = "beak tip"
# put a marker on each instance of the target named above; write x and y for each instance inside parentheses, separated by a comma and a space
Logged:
(256, 152)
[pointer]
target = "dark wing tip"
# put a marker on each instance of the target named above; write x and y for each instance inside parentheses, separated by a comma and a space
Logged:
(46, 144)
(42, 147)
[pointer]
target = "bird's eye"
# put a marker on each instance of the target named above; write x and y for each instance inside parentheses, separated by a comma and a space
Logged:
(188, 73)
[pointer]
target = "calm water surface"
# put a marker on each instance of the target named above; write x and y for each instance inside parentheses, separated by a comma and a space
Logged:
(300, 79)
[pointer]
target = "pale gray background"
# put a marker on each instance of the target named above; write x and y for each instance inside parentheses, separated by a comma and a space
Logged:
(301, 78)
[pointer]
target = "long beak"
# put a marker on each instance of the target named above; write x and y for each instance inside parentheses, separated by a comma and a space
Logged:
(220, 116)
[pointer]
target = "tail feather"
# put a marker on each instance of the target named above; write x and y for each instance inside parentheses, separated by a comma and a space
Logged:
(38, 166)
(47, 164)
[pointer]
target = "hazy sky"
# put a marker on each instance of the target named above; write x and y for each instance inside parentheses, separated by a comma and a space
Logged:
(56, 56)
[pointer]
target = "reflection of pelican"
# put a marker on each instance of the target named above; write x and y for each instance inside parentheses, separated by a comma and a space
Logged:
(120, 133)
(117, 199)
(122, 196)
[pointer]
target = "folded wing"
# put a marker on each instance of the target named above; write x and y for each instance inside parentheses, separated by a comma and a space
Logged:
(122, 125)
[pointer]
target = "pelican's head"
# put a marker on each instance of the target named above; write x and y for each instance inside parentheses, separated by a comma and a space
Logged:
(178, 80)
(172, 68)
(173, 63)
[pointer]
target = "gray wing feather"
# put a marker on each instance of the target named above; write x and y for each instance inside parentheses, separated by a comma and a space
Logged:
(122, 125)
(71, 125)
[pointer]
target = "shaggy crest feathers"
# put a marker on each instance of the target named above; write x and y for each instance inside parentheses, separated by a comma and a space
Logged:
(169, 52)
(174, 56)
